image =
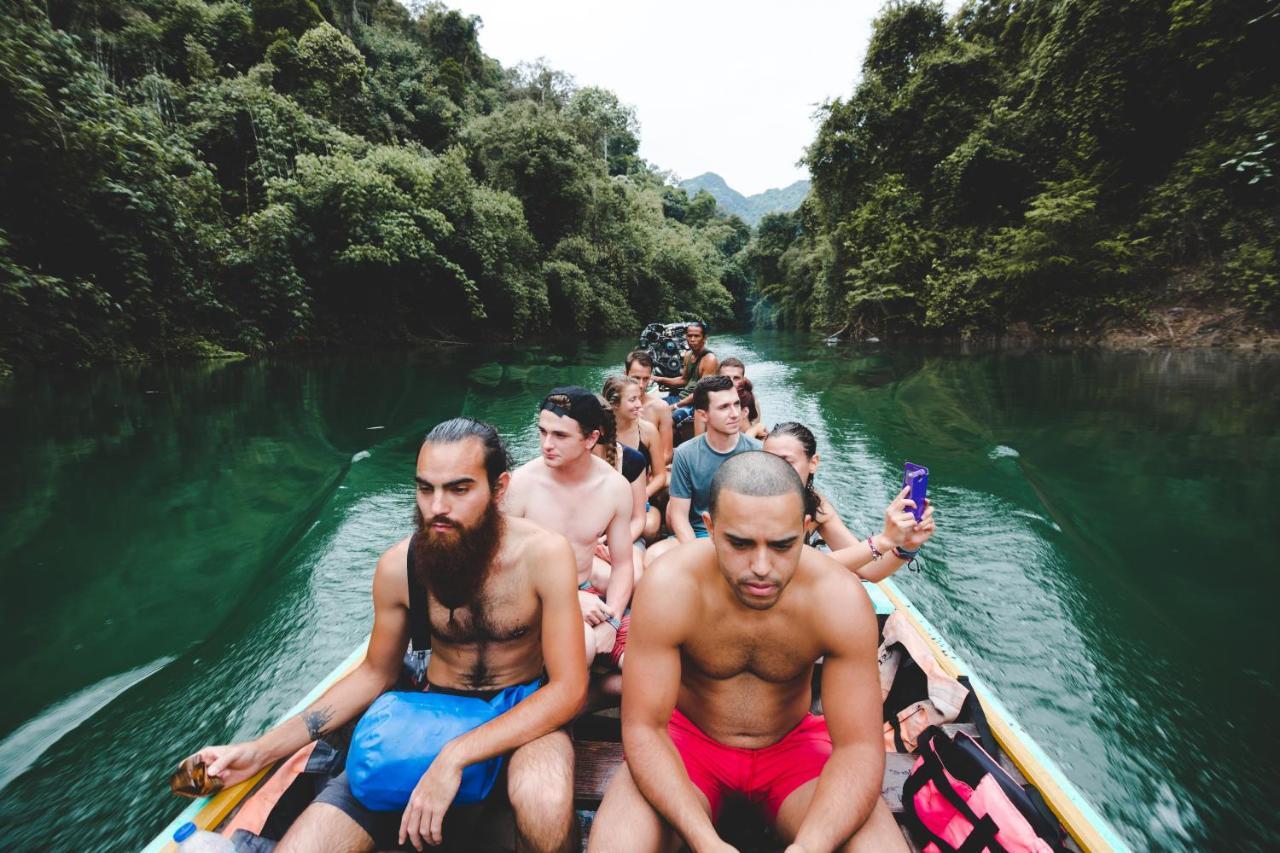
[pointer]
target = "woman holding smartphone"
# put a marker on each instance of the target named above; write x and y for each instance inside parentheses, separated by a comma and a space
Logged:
(873, 558)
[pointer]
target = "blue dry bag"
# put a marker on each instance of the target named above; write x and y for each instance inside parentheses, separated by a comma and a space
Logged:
(402, 733)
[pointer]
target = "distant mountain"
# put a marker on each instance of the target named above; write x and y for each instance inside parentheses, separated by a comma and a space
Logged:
(750, 208)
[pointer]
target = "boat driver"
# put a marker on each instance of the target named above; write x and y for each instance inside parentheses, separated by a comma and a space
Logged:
(698, 362)
(717, 689)
(493, 597)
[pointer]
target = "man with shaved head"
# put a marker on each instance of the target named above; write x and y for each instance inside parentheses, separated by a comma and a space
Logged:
(716, 693)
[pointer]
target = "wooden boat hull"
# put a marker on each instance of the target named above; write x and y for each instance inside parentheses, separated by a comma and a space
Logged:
(1087, 828)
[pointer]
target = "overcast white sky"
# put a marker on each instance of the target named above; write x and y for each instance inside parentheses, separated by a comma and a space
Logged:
(727, 87)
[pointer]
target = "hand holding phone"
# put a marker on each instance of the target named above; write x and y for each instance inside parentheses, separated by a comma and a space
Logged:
(916, 477)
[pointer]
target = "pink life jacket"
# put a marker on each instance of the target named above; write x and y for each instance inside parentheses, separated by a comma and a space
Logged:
(958, 798)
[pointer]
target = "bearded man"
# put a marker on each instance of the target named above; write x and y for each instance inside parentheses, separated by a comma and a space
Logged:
(494, 599)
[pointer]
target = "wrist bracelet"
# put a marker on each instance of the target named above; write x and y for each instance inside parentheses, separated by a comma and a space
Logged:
(875, 552)
(903, 554)
(615, 622)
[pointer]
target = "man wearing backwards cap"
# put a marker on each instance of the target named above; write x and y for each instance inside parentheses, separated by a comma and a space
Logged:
(570, 491)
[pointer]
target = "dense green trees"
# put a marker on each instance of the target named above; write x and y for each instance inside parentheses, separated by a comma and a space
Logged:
(1039, 161)
(181, 174)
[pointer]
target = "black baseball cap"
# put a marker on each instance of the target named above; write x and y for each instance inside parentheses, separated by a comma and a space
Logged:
(583, 407)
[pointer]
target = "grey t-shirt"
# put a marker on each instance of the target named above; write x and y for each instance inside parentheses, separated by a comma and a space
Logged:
(694, 465)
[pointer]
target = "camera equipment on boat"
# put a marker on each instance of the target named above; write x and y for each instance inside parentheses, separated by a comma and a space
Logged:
(665, 342)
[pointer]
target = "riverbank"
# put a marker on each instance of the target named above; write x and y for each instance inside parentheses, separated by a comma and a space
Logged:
(1194, 327)
(1170, 324)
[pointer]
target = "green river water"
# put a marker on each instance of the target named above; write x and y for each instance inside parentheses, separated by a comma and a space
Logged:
(186, 550)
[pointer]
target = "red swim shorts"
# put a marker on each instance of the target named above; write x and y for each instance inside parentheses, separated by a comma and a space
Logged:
(764, 776)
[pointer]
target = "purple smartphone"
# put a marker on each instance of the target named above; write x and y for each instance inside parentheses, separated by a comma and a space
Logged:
(917, 477)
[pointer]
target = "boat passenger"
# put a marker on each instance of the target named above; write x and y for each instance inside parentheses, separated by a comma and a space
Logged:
(639, 366)
(698, 459)
(873, 558)
(630, 463)
(569, 490)
(717, 689)
(750, 423)
(737, 371)
(492, 597)
(699, 362)
(626, 400)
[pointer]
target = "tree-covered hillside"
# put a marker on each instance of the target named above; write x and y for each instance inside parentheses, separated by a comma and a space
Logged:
(1043, 162)
(750, 208)
(180, 176)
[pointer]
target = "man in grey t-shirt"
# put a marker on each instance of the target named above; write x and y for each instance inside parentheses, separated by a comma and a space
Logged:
(696, 461)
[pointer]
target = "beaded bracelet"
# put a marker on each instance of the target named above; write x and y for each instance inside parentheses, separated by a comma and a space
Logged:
(875, 552)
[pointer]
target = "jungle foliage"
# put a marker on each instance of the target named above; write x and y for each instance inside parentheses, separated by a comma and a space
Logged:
(1039, 161)
(182, 176)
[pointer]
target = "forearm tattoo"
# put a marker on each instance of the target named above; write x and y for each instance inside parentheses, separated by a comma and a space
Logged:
(315, 721)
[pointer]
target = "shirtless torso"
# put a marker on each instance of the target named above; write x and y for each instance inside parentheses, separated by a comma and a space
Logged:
(745, 675)
(724, 639)
(496, 640)
(581, 511)
(582, 504)
(519, 624)
(656, 411)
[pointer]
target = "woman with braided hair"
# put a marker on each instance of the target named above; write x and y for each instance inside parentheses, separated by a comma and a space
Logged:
(631, 464)
(873, 558)
(625, 397)
(627, 461)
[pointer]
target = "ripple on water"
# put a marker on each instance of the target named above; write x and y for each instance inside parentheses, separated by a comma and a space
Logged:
(24, 746)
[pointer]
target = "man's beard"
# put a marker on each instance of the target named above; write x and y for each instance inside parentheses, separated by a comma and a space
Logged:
(453, 566)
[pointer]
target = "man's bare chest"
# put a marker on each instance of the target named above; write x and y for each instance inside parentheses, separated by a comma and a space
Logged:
(770, 655)
(501, 613)
(578, 515)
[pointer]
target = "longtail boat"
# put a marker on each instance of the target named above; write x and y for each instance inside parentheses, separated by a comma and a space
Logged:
(598, 747)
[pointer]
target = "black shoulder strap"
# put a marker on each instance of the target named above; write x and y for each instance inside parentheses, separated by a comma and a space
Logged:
(419, 615)
(978, 716)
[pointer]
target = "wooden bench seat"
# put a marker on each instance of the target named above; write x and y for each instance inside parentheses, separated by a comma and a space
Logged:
(595, 762)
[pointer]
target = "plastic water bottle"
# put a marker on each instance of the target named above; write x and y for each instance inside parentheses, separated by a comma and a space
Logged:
(192, 840)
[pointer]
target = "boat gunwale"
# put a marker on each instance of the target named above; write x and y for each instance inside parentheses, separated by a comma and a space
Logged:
(1082, 821)
(209, 812)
